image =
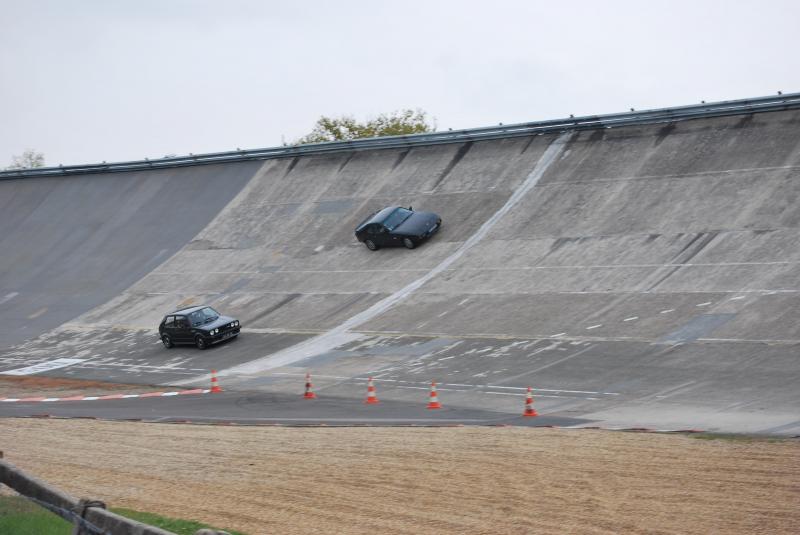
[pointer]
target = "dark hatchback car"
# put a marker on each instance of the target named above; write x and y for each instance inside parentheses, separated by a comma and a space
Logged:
(198, 325)
(395, 226)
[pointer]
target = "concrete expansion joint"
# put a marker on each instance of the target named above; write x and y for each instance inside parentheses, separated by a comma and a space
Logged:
(625, 266)
(376, 424)
(679, 176)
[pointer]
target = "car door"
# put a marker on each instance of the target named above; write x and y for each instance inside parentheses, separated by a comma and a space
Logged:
(183, 331)
(382, 235)
(169, 328)
(374, 234)
(391, 239)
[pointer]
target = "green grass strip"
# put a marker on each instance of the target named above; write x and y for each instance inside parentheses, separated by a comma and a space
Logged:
(20, 516)
(181, 527)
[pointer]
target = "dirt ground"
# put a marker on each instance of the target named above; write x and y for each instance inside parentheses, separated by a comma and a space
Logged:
(265, 480)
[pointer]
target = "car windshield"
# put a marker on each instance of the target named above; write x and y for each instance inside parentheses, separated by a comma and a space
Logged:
(395, 218)
(204, 315)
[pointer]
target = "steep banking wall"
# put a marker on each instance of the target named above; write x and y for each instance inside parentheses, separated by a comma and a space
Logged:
(70, 244)
(282, 255)
(652, 233)
(633, 222)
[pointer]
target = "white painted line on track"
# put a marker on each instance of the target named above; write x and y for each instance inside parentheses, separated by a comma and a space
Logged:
(483, 268)
(535, 395)
(667, 311)
(9, 296)
(44, 366)
(39, 399)
(553, 390)
(704, 304)
(594, 326)
(314, 375)
(737, 298)
(557, 335)
(38, 313)
(631, 318)
(480, 388)
(136, 366)
(465, 387)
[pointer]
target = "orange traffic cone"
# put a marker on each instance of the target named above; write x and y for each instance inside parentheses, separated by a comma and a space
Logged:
(214, 383)
(309, 393)
(372, 397)
(529, 410)
(434, 401)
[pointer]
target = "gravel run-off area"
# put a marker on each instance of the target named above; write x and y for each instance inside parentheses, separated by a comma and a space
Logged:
(264, 480)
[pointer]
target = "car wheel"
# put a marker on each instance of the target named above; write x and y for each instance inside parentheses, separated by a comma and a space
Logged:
(200, 342)
(167, 341)
(409, 243)
(371, 245)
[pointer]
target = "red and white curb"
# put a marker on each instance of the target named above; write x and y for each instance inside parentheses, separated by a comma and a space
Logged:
(43, 399)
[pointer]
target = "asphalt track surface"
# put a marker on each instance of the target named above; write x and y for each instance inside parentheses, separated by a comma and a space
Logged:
(257, 408)
(642, 276)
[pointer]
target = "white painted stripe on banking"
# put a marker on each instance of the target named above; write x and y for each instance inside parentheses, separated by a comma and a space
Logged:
(8, 297)
(339, 335)
(43, 367)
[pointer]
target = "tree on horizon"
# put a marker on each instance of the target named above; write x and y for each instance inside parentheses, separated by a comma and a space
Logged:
(346, 127)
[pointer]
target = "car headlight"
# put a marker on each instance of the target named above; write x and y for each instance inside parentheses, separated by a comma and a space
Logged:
(213, 331)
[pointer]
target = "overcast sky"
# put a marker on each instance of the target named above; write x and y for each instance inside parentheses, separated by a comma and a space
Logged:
(90, 80)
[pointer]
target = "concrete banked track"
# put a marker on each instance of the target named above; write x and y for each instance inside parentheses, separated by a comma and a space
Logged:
(640, 276)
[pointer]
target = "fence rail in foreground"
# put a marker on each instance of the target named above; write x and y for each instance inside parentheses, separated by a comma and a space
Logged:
(662, 115)
(89, 517)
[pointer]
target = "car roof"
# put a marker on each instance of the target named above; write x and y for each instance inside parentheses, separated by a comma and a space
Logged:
(379, 216)
(187, 310)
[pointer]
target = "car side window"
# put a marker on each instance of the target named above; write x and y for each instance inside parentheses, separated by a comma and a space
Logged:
(181, 322)
(169, 321)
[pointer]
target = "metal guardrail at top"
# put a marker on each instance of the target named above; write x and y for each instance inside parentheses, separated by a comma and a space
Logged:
(663, 115)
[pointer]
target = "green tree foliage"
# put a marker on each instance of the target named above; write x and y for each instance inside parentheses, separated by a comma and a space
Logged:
(346, 127)
(28, 160)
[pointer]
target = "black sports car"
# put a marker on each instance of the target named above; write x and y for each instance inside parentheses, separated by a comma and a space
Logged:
(395, 226)
(198, 325)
